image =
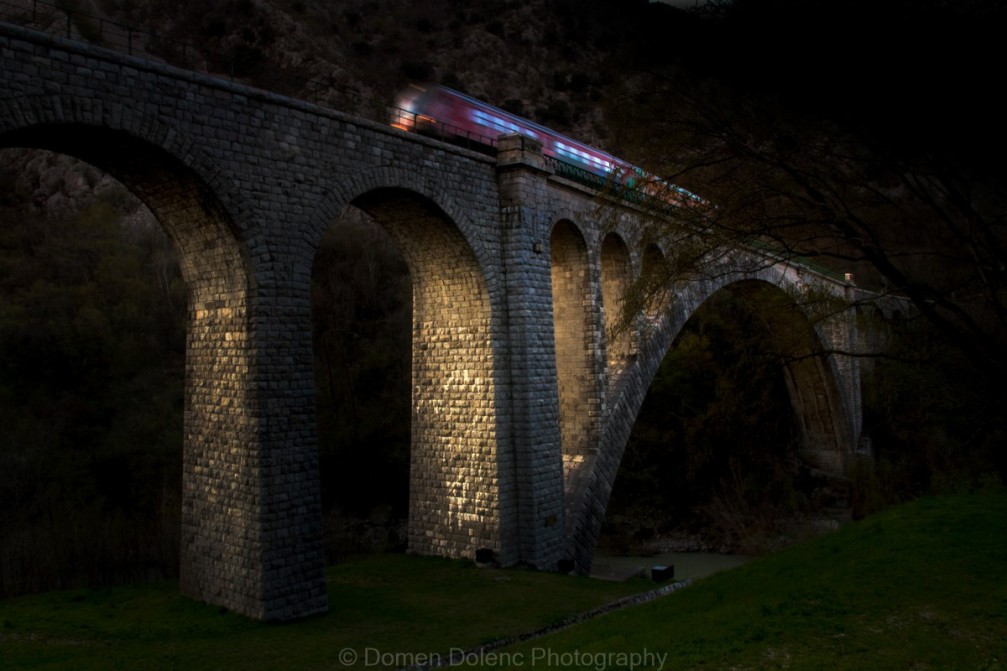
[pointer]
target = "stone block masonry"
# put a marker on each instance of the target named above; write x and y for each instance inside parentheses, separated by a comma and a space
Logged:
(523, 390)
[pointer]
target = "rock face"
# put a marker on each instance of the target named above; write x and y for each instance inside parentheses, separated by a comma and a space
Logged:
(56, 185)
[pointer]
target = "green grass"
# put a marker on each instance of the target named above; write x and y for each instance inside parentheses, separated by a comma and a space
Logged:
(922, 586)
(389, 603)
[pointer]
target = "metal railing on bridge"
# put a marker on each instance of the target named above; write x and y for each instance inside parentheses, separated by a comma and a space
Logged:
(424, 125)
(660, 204)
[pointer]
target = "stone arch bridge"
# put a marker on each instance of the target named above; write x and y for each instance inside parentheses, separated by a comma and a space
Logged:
(523, 394)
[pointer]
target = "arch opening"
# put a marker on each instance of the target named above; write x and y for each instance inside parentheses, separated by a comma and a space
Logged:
(454, 502)
(361, 299)
(616, 278)
(146, 282)
(726, 450)
(578, 385)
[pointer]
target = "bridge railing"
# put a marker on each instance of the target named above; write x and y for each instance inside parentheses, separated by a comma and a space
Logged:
(64, 21)
(425, 125)
(577, 174)
(616, 188)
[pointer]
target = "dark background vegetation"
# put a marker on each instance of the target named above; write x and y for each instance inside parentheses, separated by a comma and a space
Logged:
(714, 452)
(743, 95)
(92, 346)
(362, 306)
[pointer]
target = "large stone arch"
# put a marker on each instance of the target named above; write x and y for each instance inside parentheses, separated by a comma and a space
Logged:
(811, 376)
(810, 373)
(460, 498)
(232, 554)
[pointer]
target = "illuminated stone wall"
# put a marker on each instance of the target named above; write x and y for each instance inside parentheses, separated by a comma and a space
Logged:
(454, 495)
(577, 344)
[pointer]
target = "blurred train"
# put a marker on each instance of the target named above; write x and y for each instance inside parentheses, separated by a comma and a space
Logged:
(453, 116)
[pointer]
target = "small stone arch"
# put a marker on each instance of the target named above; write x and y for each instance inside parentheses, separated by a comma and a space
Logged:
(653, 283)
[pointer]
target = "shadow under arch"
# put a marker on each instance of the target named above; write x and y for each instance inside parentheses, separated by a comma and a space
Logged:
(227, 538)
(457, 502)
(809, 374)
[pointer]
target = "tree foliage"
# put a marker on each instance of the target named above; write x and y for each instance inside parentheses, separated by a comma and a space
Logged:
(865, 137)
(882, 159)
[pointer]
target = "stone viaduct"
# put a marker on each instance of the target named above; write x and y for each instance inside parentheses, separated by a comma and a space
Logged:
(523, 393)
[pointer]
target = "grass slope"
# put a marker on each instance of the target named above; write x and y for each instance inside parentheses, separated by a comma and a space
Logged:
(921, 586)
(391, 604)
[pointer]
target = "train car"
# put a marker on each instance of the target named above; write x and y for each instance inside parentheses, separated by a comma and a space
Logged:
(445, 112)
(448, 114)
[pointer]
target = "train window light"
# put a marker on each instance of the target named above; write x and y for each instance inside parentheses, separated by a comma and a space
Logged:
(496, 123)
(583, 157)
